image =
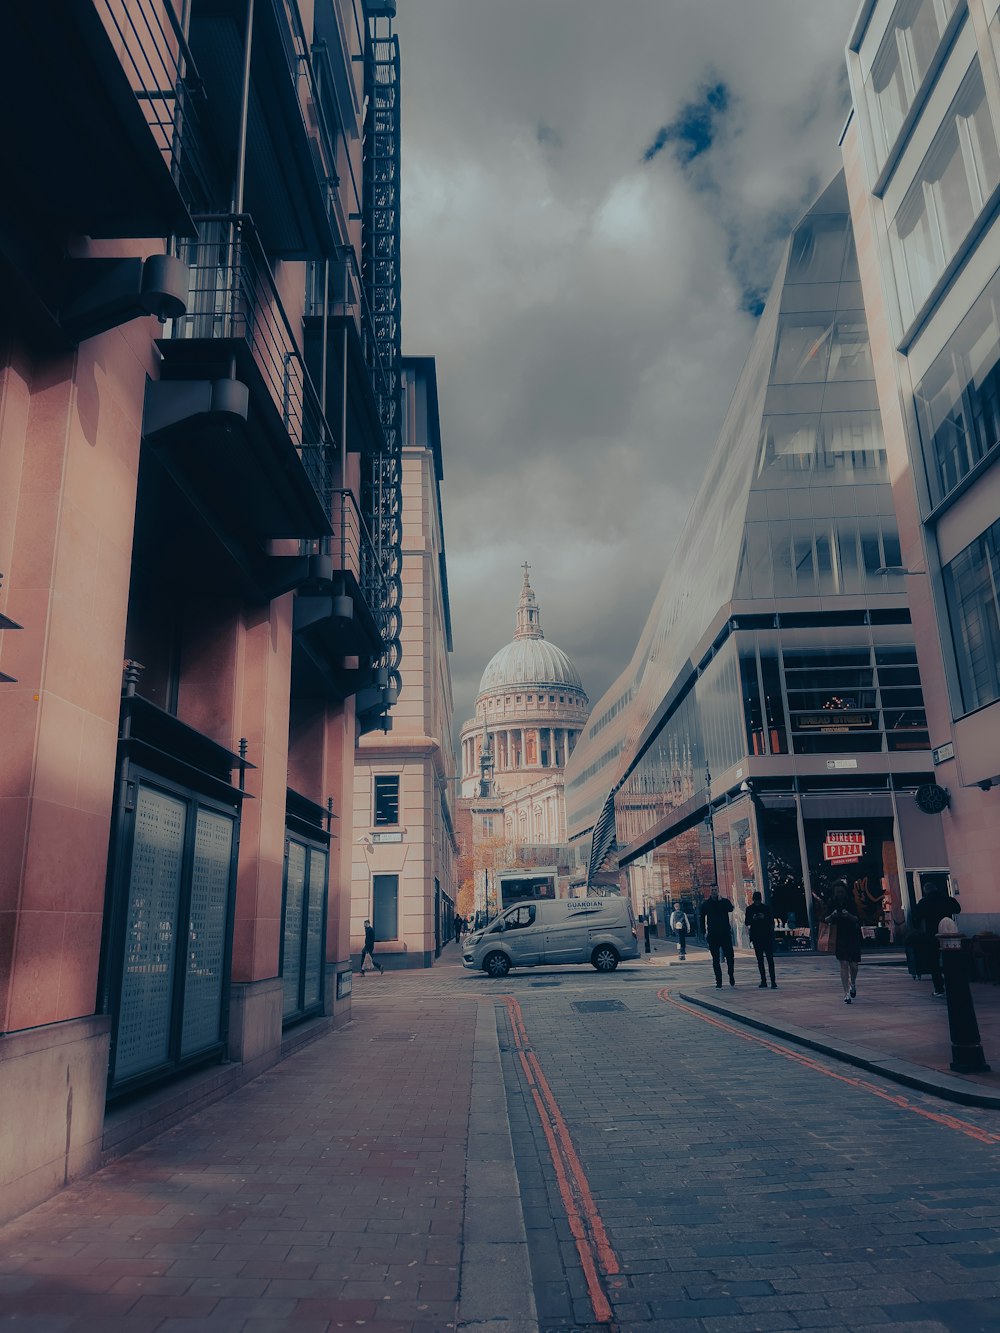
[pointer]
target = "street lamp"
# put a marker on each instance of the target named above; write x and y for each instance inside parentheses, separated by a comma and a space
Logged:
(710, 824)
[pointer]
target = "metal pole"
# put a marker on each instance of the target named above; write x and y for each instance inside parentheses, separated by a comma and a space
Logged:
(241, 148)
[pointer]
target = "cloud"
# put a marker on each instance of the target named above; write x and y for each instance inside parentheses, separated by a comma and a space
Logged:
(590, 301)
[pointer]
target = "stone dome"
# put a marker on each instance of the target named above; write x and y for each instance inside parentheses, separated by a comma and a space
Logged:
(530, 659)
(529, 662)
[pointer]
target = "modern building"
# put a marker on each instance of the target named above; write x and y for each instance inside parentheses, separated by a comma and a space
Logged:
(769, 731)
(923, 174)
(403, 860)
(200, 535)
(530, 710)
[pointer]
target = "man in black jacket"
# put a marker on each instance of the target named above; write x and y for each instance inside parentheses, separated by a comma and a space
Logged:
(760, 926)
(369, 950)
(714, 916)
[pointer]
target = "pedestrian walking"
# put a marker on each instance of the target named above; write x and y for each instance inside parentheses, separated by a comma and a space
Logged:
(843, 917)
(369, 949)
(926, 918)
(760, 925)
(714, 917)
(680, 924)
(459, 924)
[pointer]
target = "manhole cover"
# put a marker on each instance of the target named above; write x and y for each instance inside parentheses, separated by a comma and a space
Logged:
(598, 1006)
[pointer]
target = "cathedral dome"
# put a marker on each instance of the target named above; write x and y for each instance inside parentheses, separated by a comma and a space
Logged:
(530, 660)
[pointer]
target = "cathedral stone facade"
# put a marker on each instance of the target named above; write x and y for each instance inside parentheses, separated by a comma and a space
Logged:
(530, 710)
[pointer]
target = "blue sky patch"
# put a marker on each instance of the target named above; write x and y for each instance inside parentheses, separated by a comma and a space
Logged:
(695, 128)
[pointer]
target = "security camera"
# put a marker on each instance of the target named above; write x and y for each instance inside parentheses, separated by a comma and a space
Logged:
(985, 786)
(745, 786)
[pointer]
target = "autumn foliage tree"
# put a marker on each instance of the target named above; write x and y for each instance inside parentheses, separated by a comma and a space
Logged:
(479, 863)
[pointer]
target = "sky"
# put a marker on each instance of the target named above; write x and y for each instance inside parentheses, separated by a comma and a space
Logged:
(595, 197)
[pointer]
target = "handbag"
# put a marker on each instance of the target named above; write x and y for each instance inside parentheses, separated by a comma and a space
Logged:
(826, 937)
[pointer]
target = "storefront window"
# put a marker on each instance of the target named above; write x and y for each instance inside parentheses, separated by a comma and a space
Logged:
(901, 64)
(972, 581)
(958, 175)
(858, 850)
(958, 400)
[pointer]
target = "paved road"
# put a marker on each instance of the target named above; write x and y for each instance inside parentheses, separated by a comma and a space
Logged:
(735, 1184)
(675, 1171)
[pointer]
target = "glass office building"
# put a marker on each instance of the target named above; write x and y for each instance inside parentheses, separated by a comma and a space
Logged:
(774, 732)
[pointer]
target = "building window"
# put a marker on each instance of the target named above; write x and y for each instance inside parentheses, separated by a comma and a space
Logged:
(972, 580)
(958, 400)
(386, 799)
(814, 348)
(487, 826)
(385, 906)
(846, 447)
(900, 65)
(955, 179)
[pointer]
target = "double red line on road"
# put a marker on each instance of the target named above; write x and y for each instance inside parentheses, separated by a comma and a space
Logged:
(949, 1121)
(597, 1258)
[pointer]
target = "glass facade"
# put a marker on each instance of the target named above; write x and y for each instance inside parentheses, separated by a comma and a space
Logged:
(814, 659)
(954, 181)
(958, 400)
(901, 64)
(972, 587)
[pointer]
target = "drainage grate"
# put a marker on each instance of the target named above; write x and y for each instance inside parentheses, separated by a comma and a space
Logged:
(395, 1036)
(598, 1006)
(537, 984)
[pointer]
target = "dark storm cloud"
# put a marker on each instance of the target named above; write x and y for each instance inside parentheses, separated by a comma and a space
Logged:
(695, 128)
(590, 310)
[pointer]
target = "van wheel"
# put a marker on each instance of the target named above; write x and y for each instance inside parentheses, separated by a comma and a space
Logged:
(604, 958)
(498, 964)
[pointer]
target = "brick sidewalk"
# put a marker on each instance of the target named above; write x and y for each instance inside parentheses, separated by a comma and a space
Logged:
(330, 1193)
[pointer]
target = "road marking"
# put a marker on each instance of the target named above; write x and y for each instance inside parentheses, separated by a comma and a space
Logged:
(949, 1121)
(597, 1258)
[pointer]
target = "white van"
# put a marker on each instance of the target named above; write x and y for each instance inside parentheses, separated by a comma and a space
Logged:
(599, 930)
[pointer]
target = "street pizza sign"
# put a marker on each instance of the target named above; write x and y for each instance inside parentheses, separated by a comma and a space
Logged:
(844, 846)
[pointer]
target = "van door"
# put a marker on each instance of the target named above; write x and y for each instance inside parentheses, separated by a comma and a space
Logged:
(567, 938)
(522, 935)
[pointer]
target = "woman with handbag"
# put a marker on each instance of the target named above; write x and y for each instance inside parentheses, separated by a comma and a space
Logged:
(844, 920)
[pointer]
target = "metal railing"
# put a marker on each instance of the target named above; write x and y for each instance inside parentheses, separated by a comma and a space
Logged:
(353, 547)
(233, 295)
(312, 105)
(149, 41)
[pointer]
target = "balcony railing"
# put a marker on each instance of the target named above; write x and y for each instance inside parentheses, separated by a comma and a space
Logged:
(352, 546)
(149, 42)
(233, 296)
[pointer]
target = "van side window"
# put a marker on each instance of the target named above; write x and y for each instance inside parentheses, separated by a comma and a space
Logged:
(522, 916)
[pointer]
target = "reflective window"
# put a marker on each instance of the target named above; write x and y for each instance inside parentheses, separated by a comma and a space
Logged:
(818, 249)
(972, 580)
(958, 400)
(800, 557)
(955, 179)
(901, 64)
(798, 450)
(813, 348)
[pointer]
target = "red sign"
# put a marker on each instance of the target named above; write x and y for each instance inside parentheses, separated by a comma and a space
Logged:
(841, 846)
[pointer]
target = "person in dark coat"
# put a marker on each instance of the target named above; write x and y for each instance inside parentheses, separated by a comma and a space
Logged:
(369, 949)
(760, 926)
(714, 917)
(926, 918)
(844, 916)
(459, 924)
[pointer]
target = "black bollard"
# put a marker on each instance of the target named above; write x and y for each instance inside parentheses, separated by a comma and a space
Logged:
(966, 1047)
(646, 932)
